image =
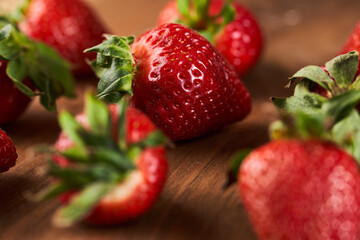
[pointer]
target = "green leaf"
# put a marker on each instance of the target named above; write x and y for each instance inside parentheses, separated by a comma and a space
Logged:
(235, 166)
(310, 126)
(116, 159)
(71, 127)
(76, 154)
(98, 115)
(315, 74)
(116, 64)
(183, 7)
(122, 107)
(228, 12)
(51, 192)
(9, 43)
(153, 139)
(16, 70)
(76, 177)
(340, 106)
(356, 83)
(346, 133)
(81, 204)
(343, 68)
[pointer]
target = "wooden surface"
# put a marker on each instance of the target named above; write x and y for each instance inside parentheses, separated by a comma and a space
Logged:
(192, 205)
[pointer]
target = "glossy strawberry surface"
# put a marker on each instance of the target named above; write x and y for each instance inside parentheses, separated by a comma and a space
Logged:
(240, 41)
(69, 26)
(12, 102)
(8, 154)
(138, 191)
(301, 190)
(184, 84)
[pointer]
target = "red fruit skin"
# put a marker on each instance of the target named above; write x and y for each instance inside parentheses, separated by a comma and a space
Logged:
(241, 41)
(140, 189)
(306, 190)
(8, 154)
(184, 84)
(69, 26)
(353, 43)
(12, 101)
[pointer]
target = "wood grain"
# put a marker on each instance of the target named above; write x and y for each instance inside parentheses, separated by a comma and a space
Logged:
(192, 205)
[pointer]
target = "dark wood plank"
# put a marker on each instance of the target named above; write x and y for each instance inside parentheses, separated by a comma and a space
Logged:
(192, 205)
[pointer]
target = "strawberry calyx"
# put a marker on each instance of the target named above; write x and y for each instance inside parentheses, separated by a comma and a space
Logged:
(27, 58)
(196, 15)
(332, 116)
(97, 161)
(308, 115)
(115, 66)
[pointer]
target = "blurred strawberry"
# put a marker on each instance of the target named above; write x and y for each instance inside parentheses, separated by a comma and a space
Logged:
(232, 29)
(69, 26)
(110, 165)
(8, 154)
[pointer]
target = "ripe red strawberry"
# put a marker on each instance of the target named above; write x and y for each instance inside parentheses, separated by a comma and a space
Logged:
(180, 81)
(28, 68)
(116, 161)
(12, 101)
(8, 154)
(69, 26)
(238, 38)
(296, 189)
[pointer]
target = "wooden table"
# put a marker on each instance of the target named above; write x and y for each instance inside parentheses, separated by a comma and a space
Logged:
(192, 205)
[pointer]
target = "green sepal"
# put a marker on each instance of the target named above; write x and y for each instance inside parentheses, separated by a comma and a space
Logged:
(340, 106)
(155, 138)
(50, 192)
(183, 7)
(347, 134)
(195, 14)
(71, 127)
(315, 74)
(235, 164)
(303, 100)
(81, 204)
(116, 65)
(27, 58)
(116, 159)
(98, 115)
(343, 68)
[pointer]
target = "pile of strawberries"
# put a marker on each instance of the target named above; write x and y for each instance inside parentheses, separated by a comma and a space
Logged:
(180, 81)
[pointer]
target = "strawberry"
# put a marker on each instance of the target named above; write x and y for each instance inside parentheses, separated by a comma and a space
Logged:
(305, 183)
(110, 165)
(69, 26)
(28, 68)
(232, 29)
(8, 154)
(295, 189)
(178, 79)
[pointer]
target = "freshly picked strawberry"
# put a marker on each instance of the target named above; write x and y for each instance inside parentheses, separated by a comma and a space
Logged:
(302, 185)
(232, 29)
(110, 165)
(176, 77)
(26, 65)
(8, 154)
(69, 26)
